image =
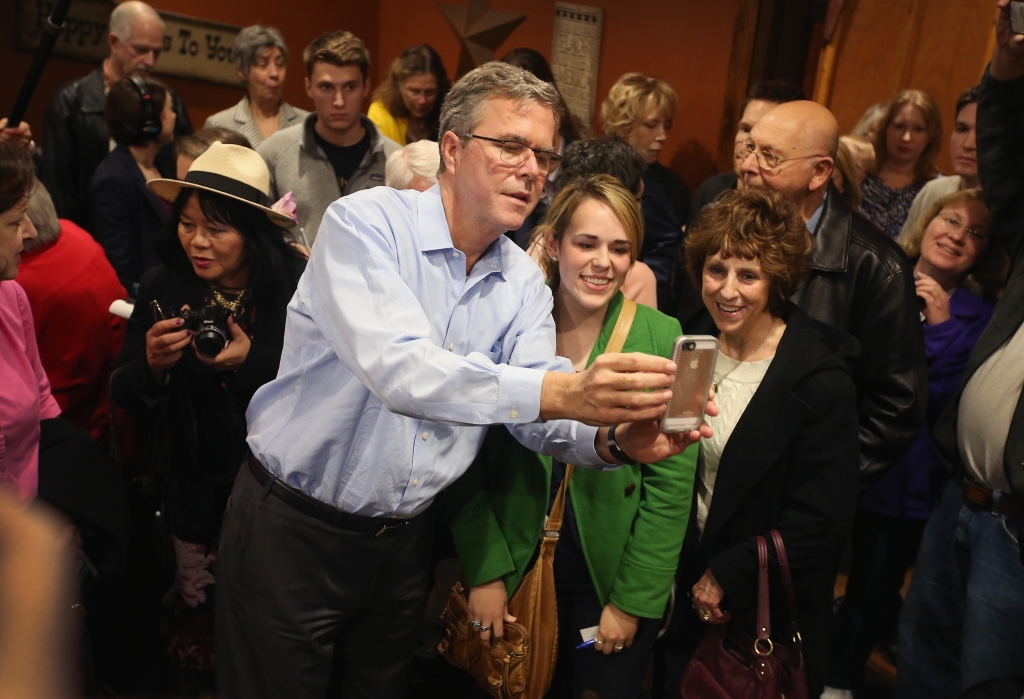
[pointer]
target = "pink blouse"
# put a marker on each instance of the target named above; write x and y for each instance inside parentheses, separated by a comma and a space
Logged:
(24, 394)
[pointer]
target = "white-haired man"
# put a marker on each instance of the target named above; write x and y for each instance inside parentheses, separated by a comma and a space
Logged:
(75, 135)
(416, 324)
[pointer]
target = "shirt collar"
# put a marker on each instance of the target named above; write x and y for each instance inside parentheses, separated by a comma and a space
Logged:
(434, 231)
(812, 222)
(436, 236)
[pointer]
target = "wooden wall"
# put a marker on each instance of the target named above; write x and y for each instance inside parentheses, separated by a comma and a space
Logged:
(685, 42)
(884, 46)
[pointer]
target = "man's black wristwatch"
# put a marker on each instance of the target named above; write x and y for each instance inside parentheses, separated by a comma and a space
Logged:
(613, 447)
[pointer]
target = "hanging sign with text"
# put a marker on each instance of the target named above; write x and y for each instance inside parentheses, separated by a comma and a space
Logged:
(575, 54)
(193, 48)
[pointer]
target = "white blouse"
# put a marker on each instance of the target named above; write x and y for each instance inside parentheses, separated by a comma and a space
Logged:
(741, 380)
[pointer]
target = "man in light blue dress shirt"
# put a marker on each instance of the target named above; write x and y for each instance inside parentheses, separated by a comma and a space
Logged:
(415, 326)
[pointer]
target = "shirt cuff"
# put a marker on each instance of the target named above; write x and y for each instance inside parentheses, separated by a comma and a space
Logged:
(519, 394)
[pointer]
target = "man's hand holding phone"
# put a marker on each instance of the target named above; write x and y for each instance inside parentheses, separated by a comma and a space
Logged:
(1008, 57)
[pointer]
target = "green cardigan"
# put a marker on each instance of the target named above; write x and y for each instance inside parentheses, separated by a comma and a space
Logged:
(631, 520)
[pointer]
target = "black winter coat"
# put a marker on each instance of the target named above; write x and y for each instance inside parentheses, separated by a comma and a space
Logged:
(863, 284)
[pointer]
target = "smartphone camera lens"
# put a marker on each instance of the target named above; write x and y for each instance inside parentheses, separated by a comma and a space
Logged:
(689, 346)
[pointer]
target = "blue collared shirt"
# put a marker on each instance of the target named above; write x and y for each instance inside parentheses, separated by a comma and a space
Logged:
(812, 222)
(395, 361)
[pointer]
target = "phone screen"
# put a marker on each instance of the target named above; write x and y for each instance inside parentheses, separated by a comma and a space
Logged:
(696, 367)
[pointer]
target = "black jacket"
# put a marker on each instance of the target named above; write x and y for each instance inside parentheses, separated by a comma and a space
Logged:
(125, 217)
(196, 422)
(862, 283)
(1000, 155)
(790, 464)
(75, 141)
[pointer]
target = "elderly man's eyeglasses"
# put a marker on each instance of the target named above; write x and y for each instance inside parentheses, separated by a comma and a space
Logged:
(516, 153)
(954, 222)
(766, 160)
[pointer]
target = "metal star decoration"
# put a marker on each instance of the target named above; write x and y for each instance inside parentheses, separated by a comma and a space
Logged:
(480, 29)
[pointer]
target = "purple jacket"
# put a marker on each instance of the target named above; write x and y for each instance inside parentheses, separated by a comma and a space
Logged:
(912, 486)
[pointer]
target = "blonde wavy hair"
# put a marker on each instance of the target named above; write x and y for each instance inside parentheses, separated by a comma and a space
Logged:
(630, 97)
(988, 273)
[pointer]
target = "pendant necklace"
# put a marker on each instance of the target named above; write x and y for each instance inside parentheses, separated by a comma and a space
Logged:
(716, 384)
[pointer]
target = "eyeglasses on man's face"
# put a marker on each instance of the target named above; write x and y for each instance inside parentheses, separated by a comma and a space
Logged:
(515, 153)
(766, 160)
(954, 221)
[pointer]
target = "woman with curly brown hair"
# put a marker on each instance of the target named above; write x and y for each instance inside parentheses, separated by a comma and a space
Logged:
(784, 454)
(407, 104)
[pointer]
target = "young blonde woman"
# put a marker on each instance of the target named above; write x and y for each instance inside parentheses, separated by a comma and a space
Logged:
(623, 529)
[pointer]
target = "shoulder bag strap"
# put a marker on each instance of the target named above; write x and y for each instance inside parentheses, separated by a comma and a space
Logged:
(763, 644)
(615, 343)
(787, 586)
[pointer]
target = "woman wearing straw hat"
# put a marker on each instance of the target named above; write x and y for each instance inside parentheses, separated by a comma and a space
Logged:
(223, 254)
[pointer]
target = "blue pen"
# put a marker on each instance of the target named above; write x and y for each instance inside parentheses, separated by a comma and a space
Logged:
(586, 644)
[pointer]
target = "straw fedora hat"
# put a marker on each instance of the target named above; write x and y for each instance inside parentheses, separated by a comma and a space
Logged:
(235, 172)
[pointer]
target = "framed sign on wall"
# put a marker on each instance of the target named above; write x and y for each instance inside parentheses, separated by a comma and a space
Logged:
(193, 48)
(575, 56)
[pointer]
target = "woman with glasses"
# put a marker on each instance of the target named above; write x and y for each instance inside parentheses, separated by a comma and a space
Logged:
(959, 274)
(906, 144)
(623, 529)
(407, 104)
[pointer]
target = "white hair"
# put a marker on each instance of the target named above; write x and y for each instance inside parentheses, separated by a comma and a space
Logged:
(419, 159)
(120, 23)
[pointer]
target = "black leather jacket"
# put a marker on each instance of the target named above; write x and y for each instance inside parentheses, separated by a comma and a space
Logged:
(861, 282)
(76, 140)
(1000, 154)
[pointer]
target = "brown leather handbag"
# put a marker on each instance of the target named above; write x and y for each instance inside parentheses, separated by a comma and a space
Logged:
(729, 663)
(522, 664)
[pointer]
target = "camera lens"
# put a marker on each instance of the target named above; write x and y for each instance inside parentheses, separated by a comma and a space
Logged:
(210, 341)
(688, 346)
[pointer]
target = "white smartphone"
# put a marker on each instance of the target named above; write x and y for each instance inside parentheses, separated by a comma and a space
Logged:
(1017, 16)
(695, 357)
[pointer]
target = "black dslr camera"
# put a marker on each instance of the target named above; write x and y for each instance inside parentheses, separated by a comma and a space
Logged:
(209, 325)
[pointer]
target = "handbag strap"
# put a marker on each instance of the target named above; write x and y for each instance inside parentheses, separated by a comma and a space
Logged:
(787, 586)
(764, 614)
(615, 343)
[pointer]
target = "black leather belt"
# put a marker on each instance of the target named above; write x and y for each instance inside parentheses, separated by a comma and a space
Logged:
(982, 497)
(378, 526)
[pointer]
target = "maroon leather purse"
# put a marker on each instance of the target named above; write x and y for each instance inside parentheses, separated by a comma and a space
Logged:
(729, 663)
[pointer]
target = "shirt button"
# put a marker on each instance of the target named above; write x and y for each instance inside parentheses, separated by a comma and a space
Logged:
(514, 414)
(456, 254)
(451, 347)
(425, 435)
(415, 481)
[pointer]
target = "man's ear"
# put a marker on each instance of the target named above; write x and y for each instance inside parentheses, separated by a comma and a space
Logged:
(822, 174)
(309, 87)
(366, 86)
(450, 144)
(112, 40)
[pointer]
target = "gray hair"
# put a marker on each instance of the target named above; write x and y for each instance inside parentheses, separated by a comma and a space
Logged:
(250, 41)
(43, 216)
(462, 107)
(120, 22)
(419, 159)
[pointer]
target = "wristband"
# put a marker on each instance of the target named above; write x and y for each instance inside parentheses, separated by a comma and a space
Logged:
(613, 447)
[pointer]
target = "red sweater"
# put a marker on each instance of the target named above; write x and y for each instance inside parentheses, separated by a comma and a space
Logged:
(70, 286)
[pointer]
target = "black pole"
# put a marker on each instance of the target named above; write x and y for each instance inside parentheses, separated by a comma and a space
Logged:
(54, 23)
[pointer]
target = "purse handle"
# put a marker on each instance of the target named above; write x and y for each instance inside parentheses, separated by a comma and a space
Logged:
(615, 343)
(763, 645)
